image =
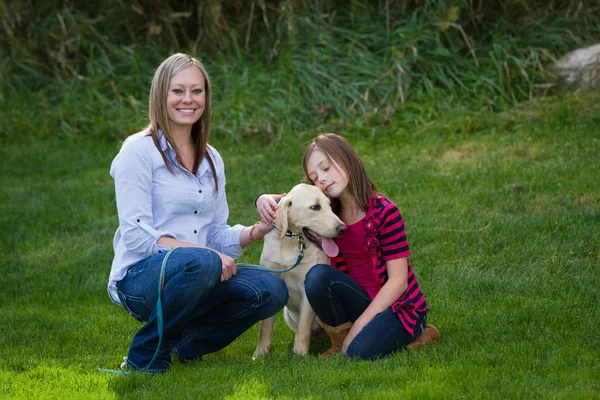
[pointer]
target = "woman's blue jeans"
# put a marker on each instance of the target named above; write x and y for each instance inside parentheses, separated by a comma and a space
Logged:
(336, 299)
(201, 314)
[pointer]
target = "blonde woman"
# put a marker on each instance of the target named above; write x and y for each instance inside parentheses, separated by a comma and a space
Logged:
(170, 192)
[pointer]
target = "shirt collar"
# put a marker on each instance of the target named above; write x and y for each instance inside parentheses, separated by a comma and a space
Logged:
(372, 203)
(203, 167)
(166, 146)
(164, 143)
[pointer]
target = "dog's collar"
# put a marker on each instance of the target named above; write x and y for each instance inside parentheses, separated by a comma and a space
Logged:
(301, 243)
(288, 233)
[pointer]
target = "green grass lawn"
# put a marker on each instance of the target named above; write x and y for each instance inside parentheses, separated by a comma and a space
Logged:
(503, 217)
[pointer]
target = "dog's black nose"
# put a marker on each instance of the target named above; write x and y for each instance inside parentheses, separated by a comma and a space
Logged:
(340, 228)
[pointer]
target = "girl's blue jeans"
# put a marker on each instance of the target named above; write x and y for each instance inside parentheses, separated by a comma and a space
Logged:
(336, 299)
(201, 314)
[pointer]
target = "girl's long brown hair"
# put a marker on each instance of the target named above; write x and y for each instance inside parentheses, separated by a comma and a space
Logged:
(338, 149)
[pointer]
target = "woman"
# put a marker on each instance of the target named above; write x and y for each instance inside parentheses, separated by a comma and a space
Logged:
(170, 192)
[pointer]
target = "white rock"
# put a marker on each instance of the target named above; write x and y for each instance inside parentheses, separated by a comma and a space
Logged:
(580, 68)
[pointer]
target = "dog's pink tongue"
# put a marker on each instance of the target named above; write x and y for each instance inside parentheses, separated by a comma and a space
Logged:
(329, 247)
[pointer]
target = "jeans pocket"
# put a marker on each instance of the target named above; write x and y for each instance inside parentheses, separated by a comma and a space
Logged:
(136, 306)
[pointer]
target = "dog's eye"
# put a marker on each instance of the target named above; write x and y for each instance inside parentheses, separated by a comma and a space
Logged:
(316, 207)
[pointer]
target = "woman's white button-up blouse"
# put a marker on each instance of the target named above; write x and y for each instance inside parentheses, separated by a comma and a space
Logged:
(152, 202)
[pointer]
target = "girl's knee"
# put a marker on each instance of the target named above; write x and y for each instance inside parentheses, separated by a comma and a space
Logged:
(317, 279)
(318, 272)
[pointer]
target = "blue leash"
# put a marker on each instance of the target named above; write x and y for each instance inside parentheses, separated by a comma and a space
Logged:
(159, 310)
(159, 321)
(301, 247)
(274, 271)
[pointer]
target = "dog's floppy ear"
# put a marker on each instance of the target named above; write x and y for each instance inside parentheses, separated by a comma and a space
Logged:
(281, 216)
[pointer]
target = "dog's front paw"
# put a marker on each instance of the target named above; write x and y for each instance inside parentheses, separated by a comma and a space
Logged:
(301, 348)
(260, 352)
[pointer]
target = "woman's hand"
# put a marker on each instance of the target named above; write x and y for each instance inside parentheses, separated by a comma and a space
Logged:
(262, 229)
(228, 267)
(266, 205)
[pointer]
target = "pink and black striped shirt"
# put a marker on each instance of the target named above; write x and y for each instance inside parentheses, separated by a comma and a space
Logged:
(385, 240)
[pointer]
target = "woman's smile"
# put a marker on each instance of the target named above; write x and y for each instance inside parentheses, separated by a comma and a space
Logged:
(186, 97)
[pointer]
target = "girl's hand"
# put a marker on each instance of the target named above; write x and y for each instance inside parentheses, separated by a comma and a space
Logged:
(266, 205)
(357, 326)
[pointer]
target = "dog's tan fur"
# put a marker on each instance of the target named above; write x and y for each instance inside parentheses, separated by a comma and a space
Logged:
(297, 211)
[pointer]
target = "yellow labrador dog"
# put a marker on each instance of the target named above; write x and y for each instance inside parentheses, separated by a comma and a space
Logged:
(303, 218)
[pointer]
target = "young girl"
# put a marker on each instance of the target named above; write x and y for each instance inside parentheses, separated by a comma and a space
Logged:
(170, 192)
(369, 303)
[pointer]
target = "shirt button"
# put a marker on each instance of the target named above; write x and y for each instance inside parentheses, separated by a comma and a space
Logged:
(138, 220)
(195, 231)
(195, 211)
(160, 251)
(200, 191)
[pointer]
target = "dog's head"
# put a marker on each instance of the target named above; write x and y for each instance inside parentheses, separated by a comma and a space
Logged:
(306, 209)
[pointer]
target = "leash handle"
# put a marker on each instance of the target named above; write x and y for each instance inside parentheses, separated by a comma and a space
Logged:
(159, 320)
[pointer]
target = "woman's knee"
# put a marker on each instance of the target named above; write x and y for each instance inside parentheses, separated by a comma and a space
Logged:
(194, 258)
(200, 264)
(275, 291)
(267, 291)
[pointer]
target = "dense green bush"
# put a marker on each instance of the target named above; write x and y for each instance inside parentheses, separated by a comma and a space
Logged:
(281, 66)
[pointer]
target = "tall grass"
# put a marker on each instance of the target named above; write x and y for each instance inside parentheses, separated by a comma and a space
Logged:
(282, 67)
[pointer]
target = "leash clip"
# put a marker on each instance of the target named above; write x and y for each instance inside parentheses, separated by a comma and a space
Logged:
(301, 246)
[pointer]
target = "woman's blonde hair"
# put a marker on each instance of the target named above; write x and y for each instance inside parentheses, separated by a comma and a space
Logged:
(338, 149)
(159, 118)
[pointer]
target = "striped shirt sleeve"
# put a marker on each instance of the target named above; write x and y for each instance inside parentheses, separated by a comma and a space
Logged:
(392, 236)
